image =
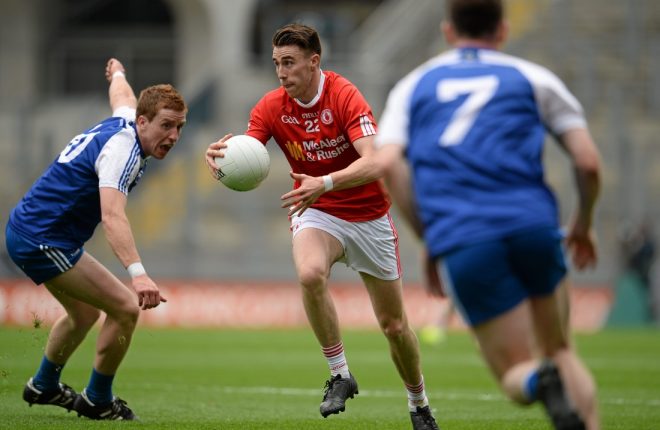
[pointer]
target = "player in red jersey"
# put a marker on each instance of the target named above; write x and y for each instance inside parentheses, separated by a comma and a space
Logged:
(338, 208)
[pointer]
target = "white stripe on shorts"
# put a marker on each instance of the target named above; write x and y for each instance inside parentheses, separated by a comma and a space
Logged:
(57, 257)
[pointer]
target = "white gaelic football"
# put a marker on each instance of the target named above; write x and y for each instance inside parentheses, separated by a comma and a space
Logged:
(245, 164)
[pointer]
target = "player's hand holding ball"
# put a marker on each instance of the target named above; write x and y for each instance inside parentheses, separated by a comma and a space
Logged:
(240, 162)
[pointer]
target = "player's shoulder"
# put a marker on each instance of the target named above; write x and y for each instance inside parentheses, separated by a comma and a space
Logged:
(336, 83)
(335, 78)
(535, 72)
(339, 90)
(116, 133)
(430, 66)
(272, 100)
(117, 125)
(273, 96)
(125, 112)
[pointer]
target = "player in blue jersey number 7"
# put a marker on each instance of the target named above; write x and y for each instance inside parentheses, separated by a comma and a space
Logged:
(89, 183)
(471, 124)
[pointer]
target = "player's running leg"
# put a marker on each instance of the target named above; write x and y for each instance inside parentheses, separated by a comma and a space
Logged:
(314, 252)
(90, 282)
(65, 336)
(507, 343)
(578, 381)
(387, 301)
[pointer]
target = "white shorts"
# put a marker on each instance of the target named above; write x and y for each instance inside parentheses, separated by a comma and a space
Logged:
(371, 247)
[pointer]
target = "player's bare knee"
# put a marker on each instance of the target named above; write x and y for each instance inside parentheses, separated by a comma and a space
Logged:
(510, 383)
(132, 313)
(312, 277)
(126, 315)
(393, 328)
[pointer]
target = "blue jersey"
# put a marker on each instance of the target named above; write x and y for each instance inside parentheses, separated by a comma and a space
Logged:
(62, 208)
(473, 122)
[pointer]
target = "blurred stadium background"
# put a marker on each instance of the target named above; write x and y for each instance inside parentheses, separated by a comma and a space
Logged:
(217, 52)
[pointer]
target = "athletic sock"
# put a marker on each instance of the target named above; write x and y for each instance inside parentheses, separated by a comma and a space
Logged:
(416, 396)
(99, 388)
(48, 375)
(530, 385)
(336, 360)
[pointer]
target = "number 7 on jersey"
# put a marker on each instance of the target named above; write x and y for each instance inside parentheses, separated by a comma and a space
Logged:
(479, 91)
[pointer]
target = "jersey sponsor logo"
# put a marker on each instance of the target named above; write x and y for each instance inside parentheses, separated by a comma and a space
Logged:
(324, 149)
(288, 119)
(295, 150)
(326, 117)
(311, 145)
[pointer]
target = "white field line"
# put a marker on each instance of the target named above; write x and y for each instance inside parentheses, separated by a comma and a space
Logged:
(440, 395)
(434, 395)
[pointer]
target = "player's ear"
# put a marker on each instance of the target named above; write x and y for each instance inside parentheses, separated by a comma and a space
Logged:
(315, 60)
(141, 121)
(448, 31)
(502, 32)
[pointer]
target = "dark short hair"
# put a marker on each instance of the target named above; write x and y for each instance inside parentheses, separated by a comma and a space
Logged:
(157, 97)
(300, 35)
(475, 18)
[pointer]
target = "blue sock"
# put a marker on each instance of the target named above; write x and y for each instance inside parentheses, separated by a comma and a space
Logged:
(530, 385)
(99, 388)
(48, 375)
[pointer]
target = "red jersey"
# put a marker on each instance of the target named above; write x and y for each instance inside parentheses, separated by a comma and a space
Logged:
(317, 140)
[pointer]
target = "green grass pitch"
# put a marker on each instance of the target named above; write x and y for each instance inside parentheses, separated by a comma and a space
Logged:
(273, 379)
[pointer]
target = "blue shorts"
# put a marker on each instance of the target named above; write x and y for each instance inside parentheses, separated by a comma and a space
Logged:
(488, 279)
(40, 262)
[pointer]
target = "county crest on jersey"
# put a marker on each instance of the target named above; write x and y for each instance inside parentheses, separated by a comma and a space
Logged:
(317, 137)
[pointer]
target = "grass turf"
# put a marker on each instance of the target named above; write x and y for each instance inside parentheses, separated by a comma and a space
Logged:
(273, 379)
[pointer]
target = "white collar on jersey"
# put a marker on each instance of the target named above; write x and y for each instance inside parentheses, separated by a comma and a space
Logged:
(318, 93)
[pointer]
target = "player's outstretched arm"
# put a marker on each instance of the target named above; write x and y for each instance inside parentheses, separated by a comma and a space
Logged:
(120, 237)
(120, 92)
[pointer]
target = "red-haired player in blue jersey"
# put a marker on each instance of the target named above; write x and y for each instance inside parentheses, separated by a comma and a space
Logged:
(89, 183)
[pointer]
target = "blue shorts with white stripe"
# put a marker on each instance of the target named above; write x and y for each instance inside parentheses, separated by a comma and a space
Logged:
(40, 262)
